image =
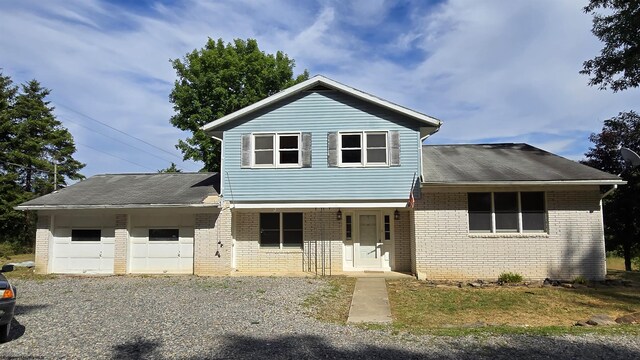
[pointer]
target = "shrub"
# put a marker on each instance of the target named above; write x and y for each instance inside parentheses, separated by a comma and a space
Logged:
(509, 277)
(580, 280)
(6, 250)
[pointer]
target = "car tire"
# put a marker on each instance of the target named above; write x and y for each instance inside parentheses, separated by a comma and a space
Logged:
(4, 332)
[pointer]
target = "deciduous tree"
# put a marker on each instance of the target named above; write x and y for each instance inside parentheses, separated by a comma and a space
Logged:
(617, 24)
(219, 79)
(622, 207)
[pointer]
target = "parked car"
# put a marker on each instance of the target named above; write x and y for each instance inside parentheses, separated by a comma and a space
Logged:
(7, 303)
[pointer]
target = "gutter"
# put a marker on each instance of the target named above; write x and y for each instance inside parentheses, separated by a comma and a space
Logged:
(535, 182)
(128, 206)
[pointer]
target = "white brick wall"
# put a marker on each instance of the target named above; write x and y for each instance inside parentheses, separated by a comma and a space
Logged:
(446, 251)
(121, 244)
(402, 239)
(43, 238)
(213, 243)
(250, 257)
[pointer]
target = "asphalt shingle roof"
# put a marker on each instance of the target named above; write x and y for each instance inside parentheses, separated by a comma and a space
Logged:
(173, 189)
(501, 163)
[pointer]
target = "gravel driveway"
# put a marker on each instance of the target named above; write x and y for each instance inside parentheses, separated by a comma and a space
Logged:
(237, 318)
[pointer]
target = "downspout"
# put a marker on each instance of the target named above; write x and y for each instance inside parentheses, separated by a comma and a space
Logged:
(607, 193)
(615, 186)
(422, 139)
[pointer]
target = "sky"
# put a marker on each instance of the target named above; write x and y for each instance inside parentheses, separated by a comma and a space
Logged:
(492, 71)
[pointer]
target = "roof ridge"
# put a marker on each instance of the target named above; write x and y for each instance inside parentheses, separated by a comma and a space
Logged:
(479, 144)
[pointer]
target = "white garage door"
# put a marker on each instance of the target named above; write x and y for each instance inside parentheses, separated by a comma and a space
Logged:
(164, 250)
(83, 251)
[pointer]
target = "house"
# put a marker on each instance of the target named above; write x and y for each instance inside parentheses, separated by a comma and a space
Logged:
(325, 179)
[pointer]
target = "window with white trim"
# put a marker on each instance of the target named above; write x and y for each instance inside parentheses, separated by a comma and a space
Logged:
(276, 150)
(507, 212)
(387, 227)
(366, 148)
(281, 230)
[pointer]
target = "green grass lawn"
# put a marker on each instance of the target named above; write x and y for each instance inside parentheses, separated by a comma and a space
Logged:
(332, 304)
(421, 308)
(22, 272)
(418, 307)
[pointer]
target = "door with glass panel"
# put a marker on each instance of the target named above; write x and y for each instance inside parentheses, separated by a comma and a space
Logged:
(367, 249)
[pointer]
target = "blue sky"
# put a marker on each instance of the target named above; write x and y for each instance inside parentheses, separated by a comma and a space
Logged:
(493, 71)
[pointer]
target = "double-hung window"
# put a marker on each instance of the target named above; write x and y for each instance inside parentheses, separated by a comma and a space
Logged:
(507, 212)
(276, 150)
(281, 230)
(366, 148)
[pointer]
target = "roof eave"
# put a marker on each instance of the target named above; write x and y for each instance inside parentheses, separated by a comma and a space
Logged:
(126, 206)
(316, 80)
(524, 183)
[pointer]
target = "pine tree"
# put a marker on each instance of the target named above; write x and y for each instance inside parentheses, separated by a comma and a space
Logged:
(31, 140)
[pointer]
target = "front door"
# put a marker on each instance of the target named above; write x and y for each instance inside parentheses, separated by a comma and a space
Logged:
(367, 249)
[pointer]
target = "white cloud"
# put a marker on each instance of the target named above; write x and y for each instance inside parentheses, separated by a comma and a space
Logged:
(489, 70)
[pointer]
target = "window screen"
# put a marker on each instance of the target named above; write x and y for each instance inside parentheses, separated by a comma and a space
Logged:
(377, 148)
(270, 229)
(263, 149)
(506, 208)
(533, 211)
(479, 212)
(292, 229)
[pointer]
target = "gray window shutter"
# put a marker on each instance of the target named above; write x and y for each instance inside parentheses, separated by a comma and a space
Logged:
(394, 148)
(306, 150)
(246, 151)
(332, 147)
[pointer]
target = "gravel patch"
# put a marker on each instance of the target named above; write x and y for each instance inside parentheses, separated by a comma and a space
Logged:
(238, 318)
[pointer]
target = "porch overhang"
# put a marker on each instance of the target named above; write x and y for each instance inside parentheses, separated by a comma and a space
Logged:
(321, 205)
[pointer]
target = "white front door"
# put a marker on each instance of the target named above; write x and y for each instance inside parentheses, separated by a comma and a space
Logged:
(367, 245)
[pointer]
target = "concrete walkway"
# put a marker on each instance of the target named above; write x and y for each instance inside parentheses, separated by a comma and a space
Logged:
(370, 302)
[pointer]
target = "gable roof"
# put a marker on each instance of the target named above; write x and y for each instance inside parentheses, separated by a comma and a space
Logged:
(132, 191)
(320, 80)
(494, 164)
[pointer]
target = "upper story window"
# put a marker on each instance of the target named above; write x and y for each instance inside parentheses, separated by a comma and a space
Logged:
(507, 212)
(366, 148)
(276, 150)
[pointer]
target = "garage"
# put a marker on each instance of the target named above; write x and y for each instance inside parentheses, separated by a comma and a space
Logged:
(161, 243)
(83, 245)
(162, 250)
(127, 224)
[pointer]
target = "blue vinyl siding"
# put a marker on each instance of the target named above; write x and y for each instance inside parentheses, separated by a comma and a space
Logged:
(320, 113)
